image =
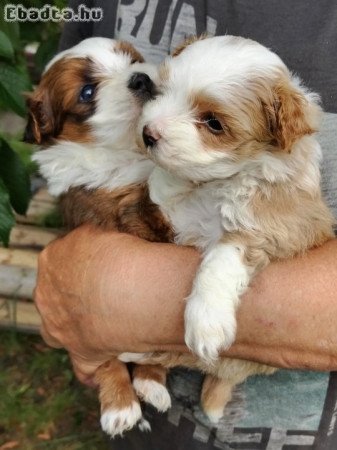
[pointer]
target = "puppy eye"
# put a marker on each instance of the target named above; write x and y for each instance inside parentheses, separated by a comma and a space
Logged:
(87, 93)
(213, 124)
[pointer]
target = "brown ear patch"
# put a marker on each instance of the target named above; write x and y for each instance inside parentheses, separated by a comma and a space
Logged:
(188, 41)
(289, 116)
(126, 47)
(54, 109)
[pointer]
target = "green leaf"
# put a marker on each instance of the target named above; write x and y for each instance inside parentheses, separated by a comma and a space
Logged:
(6, 48)
(12, 85)
(15, 178)
(25, 152)
(11, 30)
(7, 220)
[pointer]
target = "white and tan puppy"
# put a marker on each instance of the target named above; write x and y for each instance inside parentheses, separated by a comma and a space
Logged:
(232, 132)
(83, 115)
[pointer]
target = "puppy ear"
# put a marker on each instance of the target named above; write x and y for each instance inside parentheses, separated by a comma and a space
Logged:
(188, 41)
(129, 49)
(41, 123)
(292, 114)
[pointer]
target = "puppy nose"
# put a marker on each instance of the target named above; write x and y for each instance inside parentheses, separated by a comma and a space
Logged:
(150, 137)
(141, 84)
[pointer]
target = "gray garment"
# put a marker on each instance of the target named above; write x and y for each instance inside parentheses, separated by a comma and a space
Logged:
(328, 140)
(302, 32)
(282, 412)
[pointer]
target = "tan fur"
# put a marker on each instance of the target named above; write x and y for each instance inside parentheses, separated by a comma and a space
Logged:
(128, 209)
(289, 223)
(55, 114)
(54, 110)
(156, 373)
(279, 116)
(290, 115)
(288, 220)
(126, 47)
(115, 388)
(188, 41)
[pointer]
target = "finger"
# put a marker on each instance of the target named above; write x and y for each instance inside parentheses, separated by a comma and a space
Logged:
(85, 369)
(49, 340)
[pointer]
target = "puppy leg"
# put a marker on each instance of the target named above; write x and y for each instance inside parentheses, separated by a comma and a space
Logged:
(149, 383)
(120, 408)
(217, 389)
(210, 322)
(216, 393)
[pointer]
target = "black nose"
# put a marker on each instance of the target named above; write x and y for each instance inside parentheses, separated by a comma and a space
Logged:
(142, 85)
(149, 138)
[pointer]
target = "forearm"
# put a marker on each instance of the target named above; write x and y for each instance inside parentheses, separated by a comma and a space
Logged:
(287, 318)
(102, 292)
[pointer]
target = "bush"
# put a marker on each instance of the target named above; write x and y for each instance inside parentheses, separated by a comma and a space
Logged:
(15, 79)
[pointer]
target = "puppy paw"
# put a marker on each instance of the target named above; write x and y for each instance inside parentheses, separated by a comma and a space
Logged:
(152, 392)
(209, 328)
(115, 421)
(144, 425)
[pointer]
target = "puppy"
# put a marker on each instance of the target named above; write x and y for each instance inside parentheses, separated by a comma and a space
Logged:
(232, 132)
(83, 115)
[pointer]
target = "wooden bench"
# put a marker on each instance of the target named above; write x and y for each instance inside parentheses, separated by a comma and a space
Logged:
(18, 265)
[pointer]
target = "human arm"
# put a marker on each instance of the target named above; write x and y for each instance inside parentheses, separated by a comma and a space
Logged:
(104, 292)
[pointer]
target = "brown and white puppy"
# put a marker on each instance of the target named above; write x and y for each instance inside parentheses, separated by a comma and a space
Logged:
(232, 132)
(84, 114)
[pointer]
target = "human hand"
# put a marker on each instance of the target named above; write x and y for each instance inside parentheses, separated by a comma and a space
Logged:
(101, 293)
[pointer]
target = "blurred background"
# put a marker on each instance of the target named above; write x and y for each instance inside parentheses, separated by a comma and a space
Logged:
(42, 406)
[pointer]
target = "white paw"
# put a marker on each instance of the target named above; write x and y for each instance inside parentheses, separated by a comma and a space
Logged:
(153, 392)
(116, 421)
(209, 327)
(144, 425)
(214, 415)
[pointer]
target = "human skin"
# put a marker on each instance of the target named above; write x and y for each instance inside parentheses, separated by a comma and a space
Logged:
(104, 292)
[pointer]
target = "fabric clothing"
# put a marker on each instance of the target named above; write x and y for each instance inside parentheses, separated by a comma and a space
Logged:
(291, 410)
(302, 32)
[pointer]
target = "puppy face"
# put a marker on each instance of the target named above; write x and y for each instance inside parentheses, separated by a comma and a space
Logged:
(92, 92)
(224, 101)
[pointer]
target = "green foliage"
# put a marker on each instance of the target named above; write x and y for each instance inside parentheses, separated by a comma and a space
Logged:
(14, 81)
(15, 177)
(6, 215)
(39, 395)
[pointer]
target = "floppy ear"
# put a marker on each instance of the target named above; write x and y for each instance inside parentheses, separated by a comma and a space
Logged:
(41, 123)
(188, 41)
(292, 114)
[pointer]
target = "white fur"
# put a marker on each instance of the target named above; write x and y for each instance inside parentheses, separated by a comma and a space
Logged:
(205, 192)
(116, 421)
(144, 425)
(133, 357)
(214, 415)
(68, 164)
(112, 160)
(210, 323)
(152, 392)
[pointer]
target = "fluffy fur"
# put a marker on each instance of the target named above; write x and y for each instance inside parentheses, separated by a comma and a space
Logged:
(232, 132)
(89, 157)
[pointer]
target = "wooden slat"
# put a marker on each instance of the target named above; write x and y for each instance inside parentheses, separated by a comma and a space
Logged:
(36, 211)
(30, 236)
(18, 257)
(42, 195)
(41, 204)
(17, 282)
(19, 315)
